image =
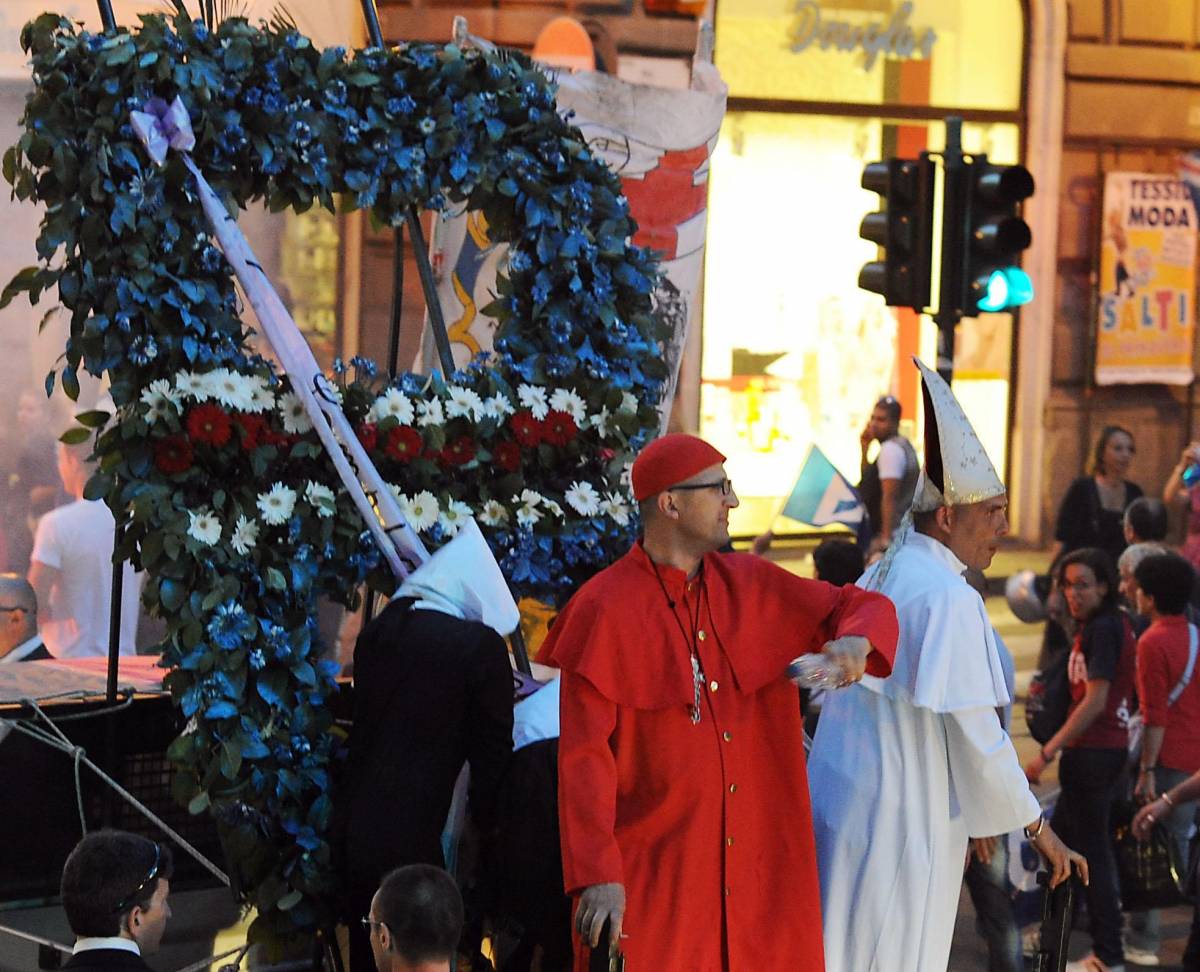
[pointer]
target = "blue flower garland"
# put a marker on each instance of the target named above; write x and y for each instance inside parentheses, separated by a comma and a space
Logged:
(231, 506)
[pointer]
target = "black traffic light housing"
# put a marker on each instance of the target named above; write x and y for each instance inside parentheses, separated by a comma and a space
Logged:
(903, 230)
(993, 235)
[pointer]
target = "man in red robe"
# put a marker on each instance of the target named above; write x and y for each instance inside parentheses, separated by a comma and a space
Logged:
(683, 799)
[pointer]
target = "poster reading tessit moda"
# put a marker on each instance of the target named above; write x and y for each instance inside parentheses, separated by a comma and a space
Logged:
(1147, 281)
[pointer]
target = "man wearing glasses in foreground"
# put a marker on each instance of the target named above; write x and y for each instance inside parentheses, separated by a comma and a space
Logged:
(683, 801)
(114, 891)
(416, 920)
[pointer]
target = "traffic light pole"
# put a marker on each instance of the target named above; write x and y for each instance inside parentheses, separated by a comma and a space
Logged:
(954, 246)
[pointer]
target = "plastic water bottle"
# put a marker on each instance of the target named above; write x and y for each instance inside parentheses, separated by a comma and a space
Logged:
(815, 671)
(1191, 475)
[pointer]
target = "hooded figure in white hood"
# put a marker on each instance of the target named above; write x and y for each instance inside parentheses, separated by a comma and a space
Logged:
(905, 769)
(433, 689)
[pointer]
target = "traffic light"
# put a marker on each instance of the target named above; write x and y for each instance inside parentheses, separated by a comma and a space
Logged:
(996, 235)
(903, 229)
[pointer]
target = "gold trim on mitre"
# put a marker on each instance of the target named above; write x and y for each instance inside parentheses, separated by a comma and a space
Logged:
(957, 470)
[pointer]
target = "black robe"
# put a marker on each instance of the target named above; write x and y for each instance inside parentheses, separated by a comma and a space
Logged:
(430, 693)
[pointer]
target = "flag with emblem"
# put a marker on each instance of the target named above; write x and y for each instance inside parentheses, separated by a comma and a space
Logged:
(822, 495)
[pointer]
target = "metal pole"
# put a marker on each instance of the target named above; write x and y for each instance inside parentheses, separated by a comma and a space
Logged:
(436, 321)
(371, 16)
(106, 16)
(520, 652)
(954, 199)
(397, 303)
(114, 614)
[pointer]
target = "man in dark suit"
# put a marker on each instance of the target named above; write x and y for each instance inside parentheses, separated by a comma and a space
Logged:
(19, 640)
(114, 891)
(432, 689)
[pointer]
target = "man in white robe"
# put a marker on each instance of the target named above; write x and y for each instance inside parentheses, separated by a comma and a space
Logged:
(905, 770)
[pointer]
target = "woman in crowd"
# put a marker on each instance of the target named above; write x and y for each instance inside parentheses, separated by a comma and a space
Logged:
(1092, 513)
(1178, 492)
(1093, 740)
(1170, 702)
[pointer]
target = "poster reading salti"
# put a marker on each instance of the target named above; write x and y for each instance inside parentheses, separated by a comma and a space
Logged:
(1147, 281)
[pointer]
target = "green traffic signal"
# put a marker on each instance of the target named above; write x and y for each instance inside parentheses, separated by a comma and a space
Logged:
(1005, 288)
(995, 235)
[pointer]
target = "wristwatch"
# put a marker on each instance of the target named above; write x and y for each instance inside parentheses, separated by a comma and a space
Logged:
(1033, 833)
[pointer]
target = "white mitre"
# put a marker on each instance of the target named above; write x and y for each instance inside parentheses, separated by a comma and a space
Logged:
(957, 470)
(462, 579)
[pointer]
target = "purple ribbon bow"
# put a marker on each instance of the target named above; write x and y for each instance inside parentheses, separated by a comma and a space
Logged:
(162, 126)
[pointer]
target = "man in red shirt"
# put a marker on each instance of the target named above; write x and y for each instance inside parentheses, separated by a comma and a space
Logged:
(683, 798)
(1171, 741)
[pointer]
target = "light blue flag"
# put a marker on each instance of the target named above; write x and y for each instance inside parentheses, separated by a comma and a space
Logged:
(822, 495)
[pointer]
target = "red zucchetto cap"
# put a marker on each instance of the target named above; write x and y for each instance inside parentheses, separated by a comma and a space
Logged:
(668, 460)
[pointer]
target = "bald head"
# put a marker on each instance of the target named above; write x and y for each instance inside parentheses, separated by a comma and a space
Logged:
(18, 612)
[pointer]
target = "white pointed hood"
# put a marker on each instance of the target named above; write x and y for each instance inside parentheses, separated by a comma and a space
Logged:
(957, 470)
(463, 580)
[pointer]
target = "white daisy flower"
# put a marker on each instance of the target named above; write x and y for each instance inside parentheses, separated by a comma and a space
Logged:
(295, 419)
(454, 516)
(565, 400)
(494, 514)
(395, 403)
(203, 526)
(229, 388)
(497, 407)
(613, 506)
(260, 398)
(530, 497)
(396, 492)
(192, 385)
(527, 515)
(628, 403)
(245, 535)
(583, 499)
(160, 399)
(464, 402)
(421, 510)
(534, 399)
(430, 412)
(599, 421)
(527, 512)
(320, 498)
(554, 508)
(276, 504)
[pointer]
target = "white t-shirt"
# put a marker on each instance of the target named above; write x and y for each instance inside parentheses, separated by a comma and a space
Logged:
(77, 541)
(892, 461)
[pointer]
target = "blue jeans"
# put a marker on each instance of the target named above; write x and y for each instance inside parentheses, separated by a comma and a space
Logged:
(990, 894)
(1145, 926)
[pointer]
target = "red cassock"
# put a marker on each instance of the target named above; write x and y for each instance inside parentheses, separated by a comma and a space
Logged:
(707, 825)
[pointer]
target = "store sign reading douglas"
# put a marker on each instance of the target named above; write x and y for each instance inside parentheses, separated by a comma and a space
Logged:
(894, 37)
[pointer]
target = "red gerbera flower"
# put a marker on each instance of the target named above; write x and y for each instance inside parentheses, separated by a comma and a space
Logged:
(559, 428)
(368, 435)
(173, 455)
(254, 430)
(527, 429)
(507, 456)
(459, 452)
(210, 424)
(404, 443)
